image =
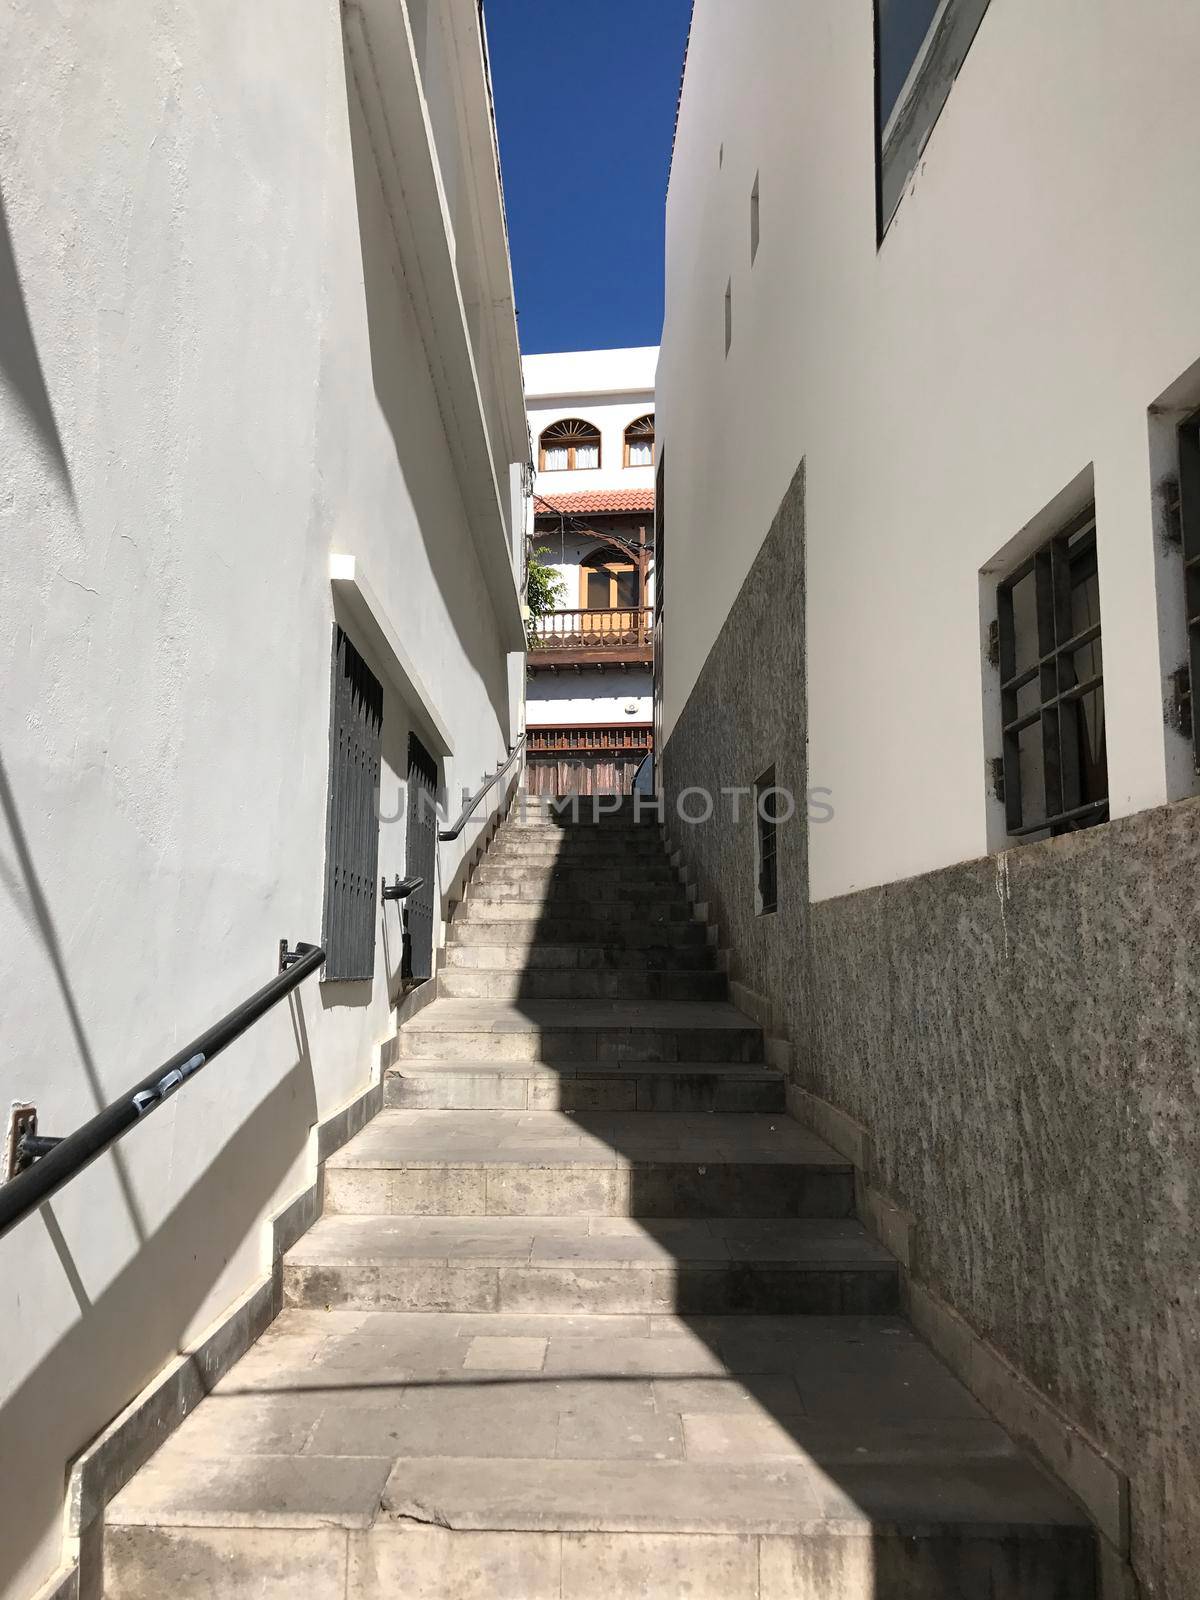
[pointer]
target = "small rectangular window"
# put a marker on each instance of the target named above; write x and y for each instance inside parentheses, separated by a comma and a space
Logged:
(352, 832)
(754, 221)
(728, 315)
(1189, 521)
(767, 839)
(1055, 762)
(920, 48)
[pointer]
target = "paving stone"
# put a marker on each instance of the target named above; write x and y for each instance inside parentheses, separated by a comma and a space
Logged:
(723, 1396)
(725, 1437)
(500, 1354)
(260, 1491)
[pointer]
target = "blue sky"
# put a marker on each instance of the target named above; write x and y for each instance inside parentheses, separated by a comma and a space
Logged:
(585, 106)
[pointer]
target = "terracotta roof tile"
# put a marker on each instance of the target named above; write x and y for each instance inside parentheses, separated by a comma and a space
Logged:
(596, 501)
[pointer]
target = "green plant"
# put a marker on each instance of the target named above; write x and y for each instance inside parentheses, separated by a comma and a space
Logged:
(544, 589)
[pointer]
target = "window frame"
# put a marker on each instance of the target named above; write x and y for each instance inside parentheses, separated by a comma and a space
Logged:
(571, 442)
(612, 564)
(766, 846)
(1189, 538)
(900, 142)
(1054, 567)
(640, 439)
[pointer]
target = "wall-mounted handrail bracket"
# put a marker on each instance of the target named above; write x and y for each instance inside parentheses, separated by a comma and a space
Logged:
(400, 888)
(288, 958)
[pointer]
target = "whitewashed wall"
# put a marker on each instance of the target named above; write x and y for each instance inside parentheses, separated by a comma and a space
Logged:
(211, 377)
(610, 388)
(950, 392)
(588, 698)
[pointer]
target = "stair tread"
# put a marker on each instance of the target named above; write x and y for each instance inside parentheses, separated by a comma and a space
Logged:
(431, 1066)
(747, 1425)
(529, 1016)
(835, 1245)
(585, 1138)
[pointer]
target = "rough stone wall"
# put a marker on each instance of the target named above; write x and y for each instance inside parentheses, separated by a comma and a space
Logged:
(748, 713)
(1021, 1035)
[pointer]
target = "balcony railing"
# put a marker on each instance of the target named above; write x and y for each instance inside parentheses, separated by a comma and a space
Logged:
(612, 632)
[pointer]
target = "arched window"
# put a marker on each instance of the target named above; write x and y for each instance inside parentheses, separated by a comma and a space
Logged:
(639, 442)
(569, 445)
(608, 581)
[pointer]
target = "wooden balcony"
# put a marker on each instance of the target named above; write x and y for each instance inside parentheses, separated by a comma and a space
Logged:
(616, 638)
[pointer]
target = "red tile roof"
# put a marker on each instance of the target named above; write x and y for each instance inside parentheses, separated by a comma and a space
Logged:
(596, 501)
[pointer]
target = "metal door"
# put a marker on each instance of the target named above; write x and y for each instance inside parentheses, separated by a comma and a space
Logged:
(420, 860)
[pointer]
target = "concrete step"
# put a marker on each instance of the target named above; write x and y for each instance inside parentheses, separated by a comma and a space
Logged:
(604, 1164)
(361, 1455)
(571, 984)
(554, 1031)
(504, 956)
(436, 1085)
(575, 817)
(586, 851)
(652, 911)
(544, 890)
(536, 930)
(591, 1264)
(581, 883)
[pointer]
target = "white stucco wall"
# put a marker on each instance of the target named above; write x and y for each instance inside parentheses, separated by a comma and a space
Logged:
(610, 388)
(211, 377)
(1033, 299)
(589, 699)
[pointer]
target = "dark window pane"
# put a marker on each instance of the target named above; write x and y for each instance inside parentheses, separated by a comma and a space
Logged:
(903, 25)
(598, 590)
(1025, 632)
(627, 589)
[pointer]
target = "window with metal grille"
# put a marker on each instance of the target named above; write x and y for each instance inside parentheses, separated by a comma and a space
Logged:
(1189, 522)
(352, 834)
(1048, 650)
(766, 816)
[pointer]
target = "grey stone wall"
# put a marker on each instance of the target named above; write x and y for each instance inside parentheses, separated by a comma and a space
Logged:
(1021, 1036)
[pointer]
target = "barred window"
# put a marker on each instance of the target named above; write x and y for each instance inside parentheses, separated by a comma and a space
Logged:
(1048, 646)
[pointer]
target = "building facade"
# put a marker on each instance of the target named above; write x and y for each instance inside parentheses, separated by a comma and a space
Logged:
(262, 439)
(589, 702)
(928, 400)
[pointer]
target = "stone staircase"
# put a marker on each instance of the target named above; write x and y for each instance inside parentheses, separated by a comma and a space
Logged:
(588, 1316)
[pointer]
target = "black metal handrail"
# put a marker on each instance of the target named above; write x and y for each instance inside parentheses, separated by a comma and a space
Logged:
(63, 1158)
(446, 834)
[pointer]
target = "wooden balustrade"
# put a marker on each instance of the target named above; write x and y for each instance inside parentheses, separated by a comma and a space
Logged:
(621, 631)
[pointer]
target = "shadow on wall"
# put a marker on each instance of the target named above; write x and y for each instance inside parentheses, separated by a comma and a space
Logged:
(139, 1321)
(409, 404)
(33, 908)
(136, 1324)
(20, 367)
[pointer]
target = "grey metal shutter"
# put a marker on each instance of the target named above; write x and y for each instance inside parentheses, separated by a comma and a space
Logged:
(352, 841)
